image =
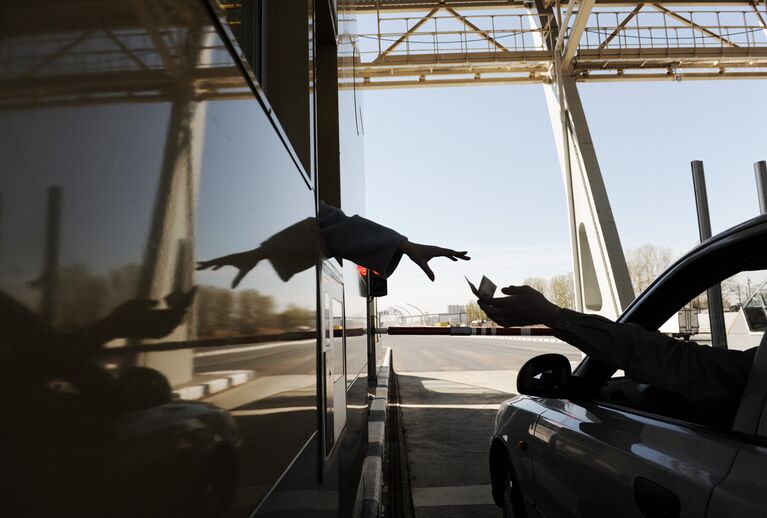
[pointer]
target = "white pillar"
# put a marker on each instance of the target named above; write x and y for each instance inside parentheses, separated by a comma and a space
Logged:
(603, 285)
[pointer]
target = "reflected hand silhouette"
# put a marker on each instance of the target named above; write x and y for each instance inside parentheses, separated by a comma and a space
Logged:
(524, 306)
(137, 318)
(243, 261)
(422, 254)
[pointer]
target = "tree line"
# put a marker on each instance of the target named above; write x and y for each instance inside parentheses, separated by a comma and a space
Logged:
(645, 263)
(85, 297)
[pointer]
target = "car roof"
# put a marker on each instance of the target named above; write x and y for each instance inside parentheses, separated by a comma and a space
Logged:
(736, 247)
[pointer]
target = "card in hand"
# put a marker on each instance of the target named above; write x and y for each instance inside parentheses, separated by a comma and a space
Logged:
(486, 288)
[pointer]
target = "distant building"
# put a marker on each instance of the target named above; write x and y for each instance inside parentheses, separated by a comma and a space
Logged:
(456, 308)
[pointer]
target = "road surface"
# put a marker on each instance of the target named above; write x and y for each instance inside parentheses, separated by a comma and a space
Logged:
(450, 389)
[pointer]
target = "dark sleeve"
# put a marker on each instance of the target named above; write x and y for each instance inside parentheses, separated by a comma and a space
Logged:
(698, 372)
(293, 249)
(360, 240)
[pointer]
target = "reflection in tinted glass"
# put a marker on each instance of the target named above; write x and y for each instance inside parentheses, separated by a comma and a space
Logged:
(756, 310)
(134, 385)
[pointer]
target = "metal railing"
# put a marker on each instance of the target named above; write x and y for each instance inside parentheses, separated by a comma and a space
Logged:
(674, 29)
(94, 52)
(659, 28)
(447, 34)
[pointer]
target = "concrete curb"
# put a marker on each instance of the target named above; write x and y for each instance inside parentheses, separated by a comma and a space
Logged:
(368, 502)
(213, 382)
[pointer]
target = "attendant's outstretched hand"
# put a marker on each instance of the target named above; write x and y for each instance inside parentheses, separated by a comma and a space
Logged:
(422, 254)
(243, 261)
(524, 306)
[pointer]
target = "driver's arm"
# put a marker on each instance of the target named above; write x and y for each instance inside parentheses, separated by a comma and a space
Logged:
(698, 372)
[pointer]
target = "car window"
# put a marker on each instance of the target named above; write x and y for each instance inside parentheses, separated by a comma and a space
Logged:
(744, 297)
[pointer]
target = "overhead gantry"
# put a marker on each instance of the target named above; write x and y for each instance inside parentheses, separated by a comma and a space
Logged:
(559, 44)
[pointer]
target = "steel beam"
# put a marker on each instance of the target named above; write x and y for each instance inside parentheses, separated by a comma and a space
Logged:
(405, 36)
(152, 27)
(761, 18)
(459, 81)
(681, 76)
(574, 36)
(602, 280)
(690, 23)
(50, 58)
(621, 26)
(476, 29)
(399, 6)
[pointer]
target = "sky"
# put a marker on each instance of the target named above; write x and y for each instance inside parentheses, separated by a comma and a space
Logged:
(475, 168)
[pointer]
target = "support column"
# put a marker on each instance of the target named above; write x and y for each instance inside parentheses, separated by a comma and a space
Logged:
(601, 278)
(169, 263)
(49, 281)
(760, 170)
(714, 293)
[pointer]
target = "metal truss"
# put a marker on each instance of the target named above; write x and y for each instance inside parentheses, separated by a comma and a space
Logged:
(137, 51)
(438, 43)
(134, 51)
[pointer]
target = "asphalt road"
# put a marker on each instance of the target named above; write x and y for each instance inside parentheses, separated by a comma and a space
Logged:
(450, 389)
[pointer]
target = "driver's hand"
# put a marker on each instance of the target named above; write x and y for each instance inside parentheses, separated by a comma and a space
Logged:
(523, 306)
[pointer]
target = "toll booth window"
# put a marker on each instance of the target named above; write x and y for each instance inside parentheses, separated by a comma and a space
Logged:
(274, 39)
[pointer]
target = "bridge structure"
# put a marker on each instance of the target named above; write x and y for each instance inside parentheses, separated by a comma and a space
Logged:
(138, 53)
(559, 44)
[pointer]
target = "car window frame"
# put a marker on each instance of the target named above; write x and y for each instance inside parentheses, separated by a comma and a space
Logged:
(694, 279)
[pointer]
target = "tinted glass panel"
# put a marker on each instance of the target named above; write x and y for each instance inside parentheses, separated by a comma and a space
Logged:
(132, 149)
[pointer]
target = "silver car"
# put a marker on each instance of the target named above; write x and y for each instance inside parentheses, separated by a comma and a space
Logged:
(616, 449)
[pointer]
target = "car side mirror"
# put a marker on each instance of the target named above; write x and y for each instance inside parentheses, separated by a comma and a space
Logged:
(547, 375)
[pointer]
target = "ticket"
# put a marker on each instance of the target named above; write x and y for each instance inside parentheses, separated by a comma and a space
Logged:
(486, 288)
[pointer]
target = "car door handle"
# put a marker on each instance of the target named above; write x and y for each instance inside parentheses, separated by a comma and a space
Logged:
(654, 500)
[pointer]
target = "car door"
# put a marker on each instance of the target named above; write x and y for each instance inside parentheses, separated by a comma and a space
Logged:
(594, 461)
(743, 494)
(599, 458)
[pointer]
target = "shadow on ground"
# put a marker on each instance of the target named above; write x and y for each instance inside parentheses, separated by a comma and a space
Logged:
(447, 427)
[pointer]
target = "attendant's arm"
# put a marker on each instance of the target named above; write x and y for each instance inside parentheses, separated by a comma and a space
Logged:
(360, 240)
(375, 246)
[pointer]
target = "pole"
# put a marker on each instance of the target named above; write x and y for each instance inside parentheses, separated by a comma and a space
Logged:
(574, 243)
(760, 169)
(49, 281)
(714, 293)
(423, 314)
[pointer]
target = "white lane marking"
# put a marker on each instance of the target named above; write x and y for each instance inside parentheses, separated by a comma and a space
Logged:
(260, 347)
(451, 387)
(496, 380)
(269, 411)
(453, 495)
(460, 407)
(235, 377)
